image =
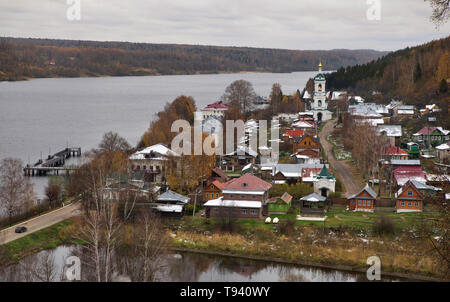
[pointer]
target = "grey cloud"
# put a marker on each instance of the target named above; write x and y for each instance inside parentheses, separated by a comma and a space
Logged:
(293, 24)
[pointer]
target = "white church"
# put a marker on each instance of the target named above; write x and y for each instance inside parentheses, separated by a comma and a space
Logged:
(319, 102)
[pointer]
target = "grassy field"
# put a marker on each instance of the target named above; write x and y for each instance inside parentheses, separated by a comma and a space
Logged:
(48, 238)
(337, 217)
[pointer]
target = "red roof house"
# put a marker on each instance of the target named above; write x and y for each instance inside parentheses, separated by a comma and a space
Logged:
(393, 152)
(403, 174)
(290, 133)
(219, 105)
(243, 197)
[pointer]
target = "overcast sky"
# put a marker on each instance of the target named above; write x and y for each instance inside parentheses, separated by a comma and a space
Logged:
(292, 24)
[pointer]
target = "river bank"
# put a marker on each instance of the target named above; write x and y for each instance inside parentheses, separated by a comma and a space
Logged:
(321, 252)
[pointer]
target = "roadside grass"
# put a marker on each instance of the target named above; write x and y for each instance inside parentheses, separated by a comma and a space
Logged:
(48, 238)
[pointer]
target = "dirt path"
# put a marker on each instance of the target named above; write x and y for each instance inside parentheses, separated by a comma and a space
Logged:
(340, 167)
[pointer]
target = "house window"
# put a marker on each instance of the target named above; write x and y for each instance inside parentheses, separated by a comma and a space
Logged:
(368, 203)
(244, 211)
(359, 203)
(242, 196)
(217, 195)
(231, 195)
(402, 203)
(253, 212)
(410, 193)
(364, 203)
(254, 196)
(409, 203)
(416, 204)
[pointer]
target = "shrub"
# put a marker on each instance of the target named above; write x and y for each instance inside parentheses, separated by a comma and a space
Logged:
(292, 210)
(227, 225)
(189, 209)
(384, 225)
(287, 226)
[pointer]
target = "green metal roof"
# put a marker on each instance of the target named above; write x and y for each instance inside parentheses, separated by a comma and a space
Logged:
(325, 174)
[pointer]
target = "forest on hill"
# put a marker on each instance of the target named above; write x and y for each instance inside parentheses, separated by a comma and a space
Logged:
(22, 58)
(417, 75)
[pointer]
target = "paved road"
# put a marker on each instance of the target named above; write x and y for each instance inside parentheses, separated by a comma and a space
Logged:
(40, 222)
(340, 167)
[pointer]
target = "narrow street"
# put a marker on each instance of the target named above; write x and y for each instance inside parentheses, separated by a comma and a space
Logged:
(40, 222)
(341, 168)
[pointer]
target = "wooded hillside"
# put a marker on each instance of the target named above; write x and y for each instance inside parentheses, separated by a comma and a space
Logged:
(418, 75)
(22, 58)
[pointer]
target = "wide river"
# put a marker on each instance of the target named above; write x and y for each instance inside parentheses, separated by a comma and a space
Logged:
(42, 116)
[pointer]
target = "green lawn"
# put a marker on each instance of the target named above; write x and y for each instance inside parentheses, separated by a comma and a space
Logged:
(337, 217)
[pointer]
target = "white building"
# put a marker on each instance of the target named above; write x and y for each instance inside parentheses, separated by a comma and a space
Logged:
(216, 109)
(152, 161)
(319, 103)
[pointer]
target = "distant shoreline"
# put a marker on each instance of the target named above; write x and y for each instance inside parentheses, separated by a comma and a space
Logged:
(159, 75)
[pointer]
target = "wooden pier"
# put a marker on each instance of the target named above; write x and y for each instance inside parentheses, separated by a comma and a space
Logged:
(54, 163)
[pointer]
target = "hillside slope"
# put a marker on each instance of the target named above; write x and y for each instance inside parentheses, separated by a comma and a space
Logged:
(417, 75)
(22, 58)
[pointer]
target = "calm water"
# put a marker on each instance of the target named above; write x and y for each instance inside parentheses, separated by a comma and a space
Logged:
(42, 116)
(188, 267)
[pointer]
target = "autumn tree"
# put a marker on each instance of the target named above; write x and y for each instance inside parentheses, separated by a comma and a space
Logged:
(276, 96)
(240, 94)
(16, 191)
(112, 142)
(182, 108)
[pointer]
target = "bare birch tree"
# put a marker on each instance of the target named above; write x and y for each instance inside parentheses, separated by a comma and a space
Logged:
(16, 191)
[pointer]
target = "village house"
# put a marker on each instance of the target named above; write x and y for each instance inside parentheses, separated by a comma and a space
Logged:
(413, 150)
(212, 190)
(404, 111)
(130, 188)
(313, 204)
(238, 159)
(289, 134)
(216, 109)
(403, 174)
(287, 173)
(409, 198)
(363, 201)
(304, 125)
(324, 183)
(306, 145)
(217, 174)
(243, 197)
(443, 153)
(430, 109)
(151, 161)
(171, 203)
(392, 132)
(279, 204)
(392, 152)
(431, 136)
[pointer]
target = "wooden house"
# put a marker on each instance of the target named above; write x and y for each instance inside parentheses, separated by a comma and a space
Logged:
(279, 204)
(306, 142)
(243, 197)
(364, 200)
(409, 198)
(212, 190)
